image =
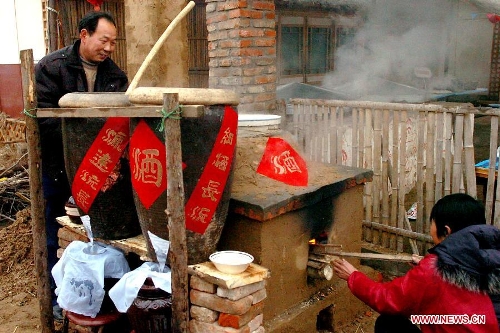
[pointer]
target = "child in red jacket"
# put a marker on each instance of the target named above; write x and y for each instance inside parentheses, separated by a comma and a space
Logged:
(455, 288)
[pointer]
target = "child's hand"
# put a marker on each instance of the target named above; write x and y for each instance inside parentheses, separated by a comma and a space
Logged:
(416, 258)
(343, 269)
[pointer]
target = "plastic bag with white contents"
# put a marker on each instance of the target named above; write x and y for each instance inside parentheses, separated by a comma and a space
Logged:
(79, 276)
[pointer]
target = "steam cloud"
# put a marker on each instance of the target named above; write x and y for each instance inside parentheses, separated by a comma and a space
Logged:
(398, 36)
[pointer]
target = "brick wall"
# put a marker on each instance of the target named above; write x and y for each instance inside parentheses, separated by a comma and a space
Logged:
(242, 51)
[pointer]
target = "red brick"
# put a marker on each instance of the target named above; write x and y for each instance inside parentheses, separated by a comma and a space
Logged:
(266, 5)
(238, 321)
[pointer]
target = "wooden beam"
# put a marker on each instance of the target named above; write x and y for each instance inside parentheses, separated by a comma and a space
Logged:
(176, 218)
(36, 193)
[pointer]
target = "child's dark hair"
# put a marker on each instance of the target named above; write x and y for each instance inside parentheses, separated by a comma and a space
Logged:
(91, 19)
(457, 211)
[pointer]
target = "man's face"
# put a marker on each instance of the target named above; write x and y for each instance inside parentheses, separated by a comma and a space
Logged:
(98, 46)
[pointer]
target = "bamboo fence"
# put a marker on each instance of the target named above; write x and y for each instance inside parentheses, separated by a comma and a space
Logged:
(418, 154)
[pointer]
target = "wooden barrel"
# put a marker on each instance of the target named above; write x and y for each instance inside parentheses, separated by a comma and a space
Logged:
(198, 139)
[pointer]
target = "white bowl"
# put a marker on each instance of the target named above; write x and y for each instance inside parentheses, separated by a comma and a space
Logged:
(231, 262)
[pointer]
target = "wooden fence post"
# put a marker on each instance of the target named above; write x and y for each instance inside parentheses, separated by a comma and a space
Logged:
(176, 218)
(36, 193)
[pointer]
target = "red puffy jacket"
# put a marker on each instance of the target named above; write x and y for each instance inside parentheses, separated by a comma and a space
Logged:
(423, 292)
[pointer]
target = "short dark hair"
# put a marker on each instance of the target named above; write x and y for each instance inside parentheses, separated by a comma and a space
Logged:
(91, 19)
(457, 211)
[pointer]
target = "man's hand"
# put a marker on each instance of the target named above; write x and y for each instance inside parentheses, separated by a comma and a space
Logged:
(343, 269)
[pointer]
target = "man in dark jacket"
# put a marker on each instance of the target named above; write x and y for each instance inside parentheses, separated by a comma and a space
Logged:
(84, 66)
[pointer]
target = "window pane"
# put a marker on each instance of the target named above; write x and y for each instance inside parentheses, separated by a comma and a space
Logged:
(291, 48)
(318, 42)
(345, 36)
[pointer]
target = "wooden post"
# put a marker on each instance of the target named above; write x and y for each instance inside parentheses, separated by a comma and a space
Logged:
(176, 218)
(36, 193)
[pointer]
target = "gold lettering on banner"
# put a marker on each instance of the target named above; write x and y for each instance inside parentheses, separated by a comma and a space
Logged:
(89, 179)
(114, 139)
(228, 137)
(148, 168)
(285, 163)
(101, 161)
(83, 197)
(199, 214)
(211, 190)
(221, 162)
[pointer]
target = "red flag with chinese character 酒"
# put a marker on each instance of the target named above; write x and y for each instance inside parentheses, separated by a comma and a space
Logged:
(283, 163)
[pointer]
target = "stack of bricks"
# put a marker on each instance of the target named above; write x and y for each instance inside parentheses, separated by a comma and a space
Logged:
(242, 51)
(224, 303)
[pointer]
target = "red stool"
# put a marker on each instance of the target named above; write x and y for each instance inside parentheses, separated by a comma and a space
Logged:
(97, 324)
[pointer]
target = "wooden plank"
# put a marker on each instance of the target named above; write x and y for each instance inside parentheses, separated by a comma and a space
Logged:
(135, 244)
(207, 271)
(36, 193)
(146, 111)
(176, 219)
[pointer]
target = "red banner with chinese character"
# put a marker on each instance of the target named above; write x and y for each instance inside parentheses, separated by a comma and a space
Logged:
(149, 173)
(283, 163)
(147, 162)
(99, 161)
(207, 193)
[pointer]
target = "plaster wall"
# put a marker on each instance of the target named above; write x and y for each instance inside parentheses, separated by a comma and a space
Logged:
(146, 21)
(470, 43)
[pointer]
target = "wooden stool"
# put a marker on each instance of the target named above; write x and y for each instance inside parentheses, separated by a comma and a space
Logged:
(97, 324)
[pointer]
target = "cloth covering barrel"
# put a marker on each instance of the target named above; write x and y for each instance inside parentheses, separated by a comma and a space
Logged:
(199, 141)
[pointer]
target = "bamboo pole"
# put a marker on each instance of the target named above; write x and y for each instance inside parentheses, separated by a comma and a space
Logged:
(419, 227)
(448, 130)
(36, 193)
(457, 154)
(470, 169)
(399, 231)
(402, 176)
(355, 138)
(385, 175)
(394, 175)
(375, 256)
(377, 169)
(490, 187)
(439, 157)
(157, 46)
(332, 135)
(367, 163)
(340, 134)
(176, 219)
(429, 167)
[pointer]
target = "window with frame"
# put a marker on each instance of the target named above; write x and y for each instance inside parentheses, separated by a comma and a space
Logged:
(292, 46)
(306, 48)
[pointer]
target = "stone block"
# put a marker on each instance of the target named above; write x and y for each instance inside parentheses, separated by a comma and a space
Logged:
(203, 314)
(220, 304)
(202, 285)
(240, 292)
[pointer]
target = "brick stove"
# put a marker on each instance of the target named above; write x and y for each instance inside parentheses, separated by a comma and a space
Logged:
(275, 222)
